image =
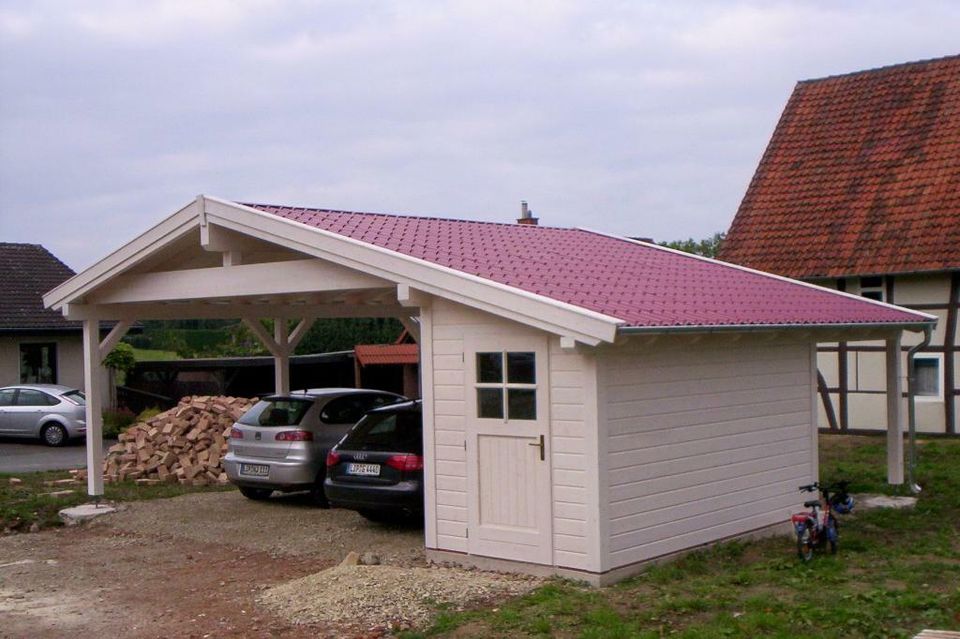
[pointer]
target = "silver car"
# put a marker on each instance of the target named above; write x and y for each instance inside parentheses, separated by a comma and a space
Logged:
(282, 442)
(51, 412)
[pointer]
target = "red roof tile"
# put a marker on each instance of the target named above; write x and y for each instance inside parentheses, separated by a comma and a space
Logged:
(861, 177)
(642, 285)
(377, 354)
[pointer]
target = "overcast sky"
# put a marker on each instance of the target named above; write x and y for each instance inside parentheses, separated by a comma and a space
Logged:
(637, 118)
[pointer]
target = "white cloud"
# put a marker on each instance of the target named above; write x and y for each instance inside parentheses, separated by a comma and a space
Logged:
(642, 118)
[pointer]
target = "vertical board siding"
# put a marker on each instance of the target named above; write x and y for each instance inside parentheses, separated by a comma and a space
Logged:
(705, 439)
(572, 447)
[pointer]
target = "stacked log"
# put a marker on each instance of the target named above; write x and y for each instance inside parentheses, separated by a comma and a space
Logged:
(185, 444)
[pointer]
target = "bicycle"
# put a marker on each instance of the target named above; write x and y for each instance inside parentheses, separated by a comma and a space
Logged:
(818, 526)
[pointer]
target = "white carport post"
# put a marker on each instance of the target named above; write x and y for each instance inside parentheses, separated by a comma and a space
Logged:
(281, 359)
(894, 412)
(92, 383)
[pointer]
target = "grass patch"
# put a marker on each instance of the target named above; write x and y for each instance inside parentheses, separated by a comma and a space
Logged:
(152, 355)
(22, 505)
(896, 573)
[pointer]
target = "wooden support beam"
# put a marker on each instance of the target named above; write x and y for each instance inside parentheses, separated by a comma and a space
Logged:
(244, 280)
(258, 329)
(232, 310)
(92, 383)
(299, 332)
(894, 412)
(113, 338)
(413, 327)
(281, 361)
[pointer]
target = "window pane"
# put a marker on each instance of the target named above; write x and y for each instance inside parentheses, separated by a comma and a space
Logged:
(522, 404)
(521, 368)
(490, 403)
(873, 295)
(6, 397)
(871, 282)
(489, 368)
(38, 363)
(32, 398)
(928, 376)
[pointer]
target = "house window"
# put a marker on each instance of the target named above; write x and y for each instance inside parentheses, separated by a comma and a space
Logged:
(506, 385)
(927, 372)
(38, 363)
(872, 288)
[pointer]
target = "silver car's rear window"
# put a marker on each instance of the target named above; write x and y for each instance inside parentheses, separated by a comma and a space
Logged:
(276, 412)
(76, 397)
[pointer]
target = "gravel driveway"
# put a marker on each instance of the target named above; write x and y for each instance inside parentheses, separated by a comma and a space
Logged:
(191, 566)
(285, 525)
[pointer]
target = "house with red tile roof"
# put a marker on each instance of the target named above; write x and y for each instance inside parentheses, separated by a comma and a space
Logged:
(37, 345)
(859, 190)
(590, 403)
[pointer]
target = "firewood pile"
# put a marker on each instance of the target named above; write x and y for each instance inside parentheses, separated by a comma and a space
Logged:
(185, 444)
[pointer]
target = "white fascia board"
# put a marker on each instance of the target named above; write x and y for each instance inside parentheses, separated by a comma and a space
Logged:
(125, 257)
(586, 326)
(926, 316)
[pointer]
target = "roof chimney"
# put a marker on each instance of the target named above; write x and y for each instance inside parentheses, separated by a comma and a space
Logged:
(526, 215)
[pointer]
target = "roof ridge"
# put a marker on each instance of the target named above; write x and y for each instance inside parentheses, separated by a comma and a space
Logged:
(406, 216)
(886, 67)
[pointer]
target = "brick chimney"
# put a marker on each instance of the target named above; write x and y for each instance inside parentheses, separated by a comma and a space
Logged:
(526, 215)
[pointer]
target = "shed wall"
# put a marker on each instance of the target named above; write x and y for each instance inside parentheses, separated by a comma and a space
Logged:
(572, 442)
(706, 439)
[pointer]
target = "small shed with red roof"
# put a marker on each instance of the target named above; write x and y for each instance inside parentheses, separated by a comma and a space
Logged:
(590, 402)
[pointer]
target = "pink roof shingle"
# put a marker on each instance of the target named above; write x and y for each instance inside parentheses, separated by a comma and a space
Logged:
(642, 285)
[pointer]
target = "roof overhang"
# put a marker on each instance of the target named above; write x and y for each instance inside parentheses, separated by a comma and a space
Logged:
(108, 289)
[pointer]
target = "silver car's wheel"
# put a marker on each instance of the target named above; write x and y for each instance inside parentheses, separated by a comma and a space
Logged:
(54, 435)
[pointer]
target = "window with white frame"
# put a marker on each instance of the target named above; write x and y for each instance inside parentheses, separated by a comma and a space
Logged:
(506, 385)
(928, 378)
(872, 288)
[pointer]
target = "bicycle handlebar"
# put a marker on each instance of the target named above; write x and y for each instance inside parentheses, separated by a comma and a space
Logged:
(810, 487)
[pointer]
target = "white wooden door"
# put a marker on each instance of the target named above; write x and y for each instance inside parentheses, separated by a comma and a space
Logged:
(508, 468)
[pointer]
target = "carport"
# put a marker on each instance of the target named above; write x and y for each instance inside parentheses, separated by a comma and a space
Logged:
(590, 402)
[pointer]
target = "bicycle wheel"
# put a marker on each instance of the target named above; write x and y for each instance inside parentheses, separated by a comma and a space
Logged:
(804, 545)
(833, 535)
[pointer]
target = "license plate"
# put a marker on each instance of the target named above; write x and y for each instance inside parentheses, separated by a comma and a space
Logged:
(256, 470)
(363, 469)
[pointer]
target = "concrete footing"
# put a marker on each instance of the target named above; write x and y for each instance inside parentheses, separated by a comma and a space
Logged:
(84, 512)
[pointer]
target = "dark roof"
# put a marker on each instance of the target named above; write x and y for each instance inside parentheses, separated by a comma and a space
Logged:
(861, 177)
(27, 271)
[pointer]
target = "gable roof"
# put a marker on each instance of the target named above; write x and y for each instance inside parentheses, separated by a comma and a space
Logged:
(580, 284)
(27, 271)
(643, 286)
(861, 177)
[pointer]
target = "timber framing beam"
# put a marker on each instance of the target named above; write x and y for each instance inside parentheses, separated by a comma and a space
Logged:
(290, 277)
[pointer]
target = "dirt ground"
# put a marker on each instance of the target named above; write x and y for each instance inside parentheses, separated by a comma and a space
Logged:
(185, 567)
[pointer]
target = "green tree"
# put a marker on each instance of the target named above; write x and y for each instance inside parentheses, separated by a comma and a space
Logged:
(707, 247)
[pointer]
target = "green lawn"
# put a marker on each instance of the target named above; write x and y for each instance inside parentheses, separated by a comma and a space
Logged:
(23, 504)
(148, 355)
(896, 573)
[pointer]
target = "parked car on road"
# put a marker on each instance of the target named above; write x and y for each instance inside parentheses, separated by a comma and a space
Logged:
(50, 412)
(282, 441)
(377, 469)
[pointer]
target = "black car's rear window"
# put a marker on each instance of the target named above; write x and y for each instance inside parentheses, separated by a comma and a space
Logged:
(400, 432)
(276, 412)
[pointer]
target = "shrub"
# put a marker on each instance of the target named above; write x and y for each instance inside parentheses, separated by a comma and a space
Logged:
(115, 421)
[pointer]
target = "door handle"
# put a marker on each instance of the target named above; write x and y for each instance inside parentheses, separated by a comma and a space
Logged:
(539, 444)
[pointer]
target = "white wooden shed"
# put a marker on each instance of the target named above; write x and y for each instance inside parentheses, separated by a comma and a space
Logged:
(591, 403)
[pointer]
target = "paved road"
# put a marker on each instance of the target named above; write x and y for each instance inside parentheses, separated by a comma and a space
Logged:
(20, 456)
